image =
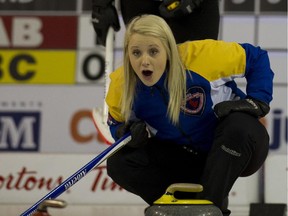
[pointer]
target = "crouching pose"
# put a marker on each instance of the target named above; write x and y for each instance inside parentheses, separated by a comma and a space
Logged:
(189, 121)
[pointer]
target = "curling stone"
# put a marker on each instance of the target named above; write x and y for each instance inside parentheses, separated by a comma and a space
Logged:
(42, 208)
(168, 205)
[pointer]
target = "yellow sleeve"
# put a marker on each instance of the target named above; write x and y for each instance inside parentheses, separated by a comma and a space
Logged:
(214, 59)
(114, 94)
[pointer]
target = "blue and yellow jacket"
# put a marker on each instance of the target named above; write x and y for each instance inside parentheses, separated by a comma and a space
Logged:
(212, 67)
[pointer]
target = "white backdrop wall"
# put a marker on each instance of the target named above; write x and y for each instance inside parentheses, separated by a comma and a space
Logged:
(52, 75)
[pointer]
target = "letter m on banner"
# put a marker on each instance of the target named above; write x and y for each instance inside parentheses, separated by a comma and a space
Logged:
(19, 131)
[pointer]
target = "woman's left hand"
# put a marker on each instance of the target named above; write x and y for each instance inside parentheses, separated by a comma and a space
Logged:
(251, 106)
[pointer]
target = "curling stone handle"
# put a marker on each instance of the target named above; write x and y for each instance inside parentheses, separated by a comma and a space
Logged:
(51, 203)
(184, 187)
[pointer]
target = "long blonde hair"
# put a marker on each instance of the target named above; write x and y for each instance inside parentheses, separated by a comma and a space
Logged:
(151, 25)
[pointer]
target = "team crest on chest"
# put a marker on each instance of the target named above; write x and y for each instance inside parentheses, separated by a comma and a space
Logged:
(195, 101)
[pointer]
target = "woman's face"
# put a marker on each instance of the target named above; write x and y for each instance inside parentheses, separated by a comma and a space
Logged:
(148, 58)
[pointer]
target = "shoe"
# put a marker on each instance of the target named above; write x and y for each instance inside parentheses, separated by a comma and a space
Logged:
(226, 212)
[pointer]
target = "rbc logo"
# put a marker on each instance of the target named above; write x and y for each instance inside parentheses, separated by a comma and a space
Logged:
(19, 131)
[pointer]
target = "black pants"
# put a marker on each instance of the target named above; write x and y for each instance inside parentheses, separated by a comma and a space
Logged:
(203, 23)
(240, 147)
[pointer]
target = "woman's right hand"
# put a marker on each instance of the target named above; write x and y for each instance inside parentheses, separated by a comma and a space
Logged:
(139, 133)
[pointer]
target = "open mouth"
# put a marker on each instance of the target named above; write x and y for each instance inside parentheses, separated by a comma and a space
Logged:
(147, 73)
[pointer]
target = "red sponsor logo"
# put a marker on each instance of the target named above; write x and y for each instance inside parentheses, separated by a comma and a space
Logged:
(38, 32)
(27, 180)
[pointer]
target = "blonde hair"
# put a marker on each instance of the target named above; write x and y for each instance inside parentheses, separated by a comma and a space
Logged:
(151, 25)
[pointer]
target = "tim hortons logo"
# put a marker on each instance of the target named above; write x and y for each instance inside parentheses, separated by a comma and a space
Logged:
(28, 180)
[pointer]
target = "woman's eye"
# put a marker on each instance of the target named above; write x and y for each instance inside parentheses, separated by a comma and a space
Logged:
(136, 53)
(154, 51)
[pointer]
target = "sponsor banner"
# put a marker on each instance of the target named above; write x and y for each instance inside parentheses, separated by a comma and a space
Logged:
(37, 67)
(38, 32)
(30, 177)
(20, 131)
(91, 66)
(38, 5)
(50, 119)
